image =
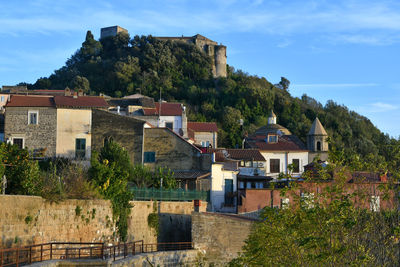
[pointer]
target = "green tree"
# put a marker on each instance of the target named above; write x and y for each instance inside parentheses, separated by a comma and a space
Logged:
(22, 173)
(110, 170)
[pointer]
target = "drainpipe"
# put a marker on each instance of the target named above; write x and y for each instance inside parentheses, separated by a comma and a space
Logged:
(143, 144)
(287, 162)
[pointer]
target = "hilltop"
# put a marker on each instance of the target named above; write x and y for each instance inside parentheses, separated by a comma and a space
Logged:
(118, 66)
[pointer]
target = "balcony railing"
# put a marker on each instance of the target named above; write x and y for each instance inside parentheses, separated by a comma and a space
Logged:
(169, 195)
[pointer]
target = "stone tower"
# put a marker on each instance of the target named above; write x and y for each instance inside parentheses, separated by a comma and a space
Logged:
(317, 141)
(111, 31)
(216, 51)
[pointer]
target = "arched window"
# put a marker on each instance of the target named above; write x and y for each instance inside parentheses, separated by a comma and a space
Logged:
(318, 146)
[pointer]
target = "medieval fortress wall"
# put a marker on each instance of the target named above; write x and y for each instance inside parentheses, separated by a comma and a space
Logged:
(216, 51)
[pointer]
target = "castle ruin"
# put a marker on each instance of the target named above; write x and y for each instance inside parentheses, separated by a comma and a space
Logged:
(216, 51)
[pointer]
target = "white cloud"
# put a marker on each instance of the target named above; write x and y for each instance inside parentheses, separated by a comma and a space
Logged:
(334, 85)
(383, 107)
(365, 22)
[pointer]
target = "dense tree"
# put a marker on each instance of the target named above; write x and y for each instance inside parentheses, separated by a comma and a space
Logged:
(118, 66)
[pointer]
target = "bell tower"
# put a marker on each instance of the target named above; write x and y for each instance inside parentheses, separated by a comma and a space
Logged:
(317, 141)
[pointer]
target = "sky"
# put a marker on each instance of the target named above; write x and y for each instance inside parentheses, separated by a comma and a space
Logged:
(341, 50)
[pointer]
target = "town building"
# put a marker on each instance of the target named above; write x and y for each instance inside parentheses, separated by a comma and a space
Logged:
(204, 134)
(51, 126)
(284, 152)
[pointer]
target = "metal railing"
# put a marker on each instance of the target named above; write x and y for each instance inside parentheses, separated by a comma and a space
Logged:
(20, 256)
(169, 195)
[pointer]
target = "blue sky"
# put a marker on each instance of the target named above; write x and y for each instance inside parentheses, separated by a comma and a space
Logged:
(347, 51)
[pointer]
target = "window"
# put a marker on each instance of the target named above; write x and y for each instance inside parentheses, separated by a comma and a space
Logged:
(272, 138)
(80, 148)
(169, 125)
(274, 166)
(241, 185)
(296, 165)
(149, 157)
(33, 117)
(2, 98)
(205, 143)
(18, 142)
(318, 146)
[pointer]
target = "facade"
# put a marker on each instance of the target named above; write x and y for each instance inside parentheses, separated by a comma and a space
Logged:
(164, 148)
(31, 122)
(204, 134)
(284, 152)
(232, 171)
(51, 126)
(126, 131)
(368, 185)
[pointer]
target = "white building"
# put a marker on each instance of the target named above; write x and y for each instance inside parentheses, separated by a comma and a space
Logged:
(284, 152)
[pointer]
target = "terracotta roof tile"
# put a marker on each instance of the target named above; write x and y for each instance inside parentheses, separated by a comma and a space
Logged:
(150, 112)
(236, 154)
(202, 126)
(285, 143)
(80, 102)
(30, 101)
(169, 109)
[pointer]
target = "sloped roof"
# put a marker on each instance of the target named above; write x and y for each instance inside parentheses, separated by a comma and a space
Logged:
(236, 154)
(285, 143)
(202, 126)
(169, 109)
(80, 102)
(191, 174)
(30, 101)
(317, 128)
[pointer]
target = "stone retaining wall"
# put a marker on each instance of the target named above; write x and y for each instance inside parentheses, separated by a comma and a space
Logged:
(28, 220)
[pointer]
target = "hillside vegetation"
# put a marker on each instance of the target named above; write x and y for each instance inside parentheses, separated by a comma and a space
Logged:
(119, 66)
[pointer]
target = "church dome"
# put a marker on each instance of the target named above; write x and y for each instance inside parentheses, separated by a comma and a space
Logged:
(272, 129)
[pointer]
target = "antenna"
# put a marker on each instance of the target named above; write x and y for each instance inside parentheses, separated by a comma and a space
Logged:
(159, 111)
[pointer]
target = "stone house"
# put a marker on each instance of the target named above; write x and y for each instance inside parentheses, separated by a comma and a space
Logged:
(126, 131)
(164, 148)
(204, 134)
(52, 126)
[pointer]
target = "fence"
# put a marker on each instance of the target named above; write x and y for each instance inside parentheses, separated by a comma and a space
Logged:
(67, 251)
(169, 195)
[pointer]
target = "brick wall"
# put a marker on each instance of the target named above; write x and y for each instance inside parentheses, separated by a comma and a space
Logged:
(256, 199)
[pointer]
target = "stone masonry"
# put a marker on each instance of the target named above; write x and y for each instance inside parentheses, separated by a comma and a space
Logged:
(219, 237)
(36, 136)
(126, 131)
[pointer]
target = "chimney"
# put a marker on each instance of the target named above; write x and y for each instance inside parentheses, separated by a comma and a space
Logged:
(118, 109)
(67, 91)
(75, 95)
(80, 92)
(184, 122)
